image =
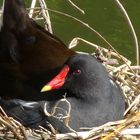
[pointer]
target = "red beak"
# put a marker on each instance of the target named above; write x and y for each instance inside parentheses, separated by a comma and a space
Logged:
(57, 81)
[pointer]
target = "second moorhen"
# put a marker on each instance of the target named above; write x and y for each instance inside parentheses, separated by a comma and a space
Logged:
(94, 97)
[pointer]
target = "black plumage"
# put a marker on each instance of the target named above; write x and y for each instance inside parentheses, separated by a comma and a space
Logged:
(94, 97)
(29, 55)
(31, 114)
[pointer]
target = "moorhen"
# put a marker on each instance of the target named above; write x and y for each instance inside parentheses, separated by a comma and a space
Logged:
(29, 55)
(94, 97)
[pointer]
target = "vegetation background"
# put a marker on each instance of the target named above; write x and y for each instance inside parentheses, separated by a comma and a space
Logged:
(102, 15)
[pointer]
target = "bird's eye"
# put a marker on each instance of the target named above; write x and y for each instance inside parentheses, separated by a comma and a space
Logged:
(76, 72)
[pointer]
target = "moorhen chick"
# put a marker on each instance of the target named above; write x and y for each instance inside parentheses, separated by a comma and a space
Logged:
(94, 97)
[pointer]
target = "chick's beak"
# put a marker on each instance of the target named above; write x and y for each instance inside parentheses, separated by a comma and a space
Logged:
(57, 81)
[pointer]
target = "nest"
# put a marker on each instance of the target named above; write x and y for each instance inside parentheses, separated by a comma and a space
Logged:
(125, 74)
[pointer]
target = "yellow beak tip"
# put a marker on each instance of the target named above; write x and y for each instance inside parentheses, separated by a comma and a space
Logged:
(46, 88)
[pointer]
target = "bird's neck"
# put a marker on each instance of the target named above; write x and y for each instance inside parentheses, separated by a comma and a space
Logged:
(93, 92)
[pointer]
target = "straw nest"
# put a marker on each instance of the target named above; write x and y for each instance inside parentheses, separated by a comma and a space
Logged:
(125, 74)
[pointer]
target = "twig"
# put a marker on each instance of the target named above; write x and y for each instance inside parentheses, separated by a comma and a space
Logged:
(1, 15)
(76, 40)
(83, 23)
(3, 112)
(32, 8)
(132, 30)
(11, 128)
(84, 134)
(46, 15)
(136, 101)
(97, 33)
(135, 119)
(79, 9)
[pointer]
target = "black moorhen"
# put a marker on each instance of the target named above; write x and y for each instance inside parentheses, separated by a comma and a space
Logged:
(95, 98)
(29, 55)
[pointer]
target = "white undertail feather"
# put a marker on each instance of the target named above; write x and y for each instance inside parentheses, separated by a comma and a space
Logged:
(1, 14)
